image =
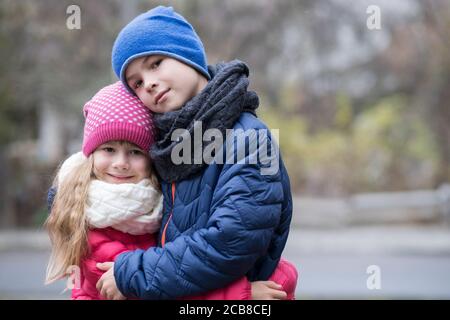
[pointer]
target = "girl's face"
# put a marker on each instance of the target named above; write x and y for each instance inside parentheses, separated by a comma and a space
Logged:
(163, 84)
(120, 162)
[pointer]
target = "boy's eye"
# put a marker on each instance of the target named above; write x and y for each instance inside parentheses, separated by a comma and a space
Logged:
(137, 84)
(155, 64)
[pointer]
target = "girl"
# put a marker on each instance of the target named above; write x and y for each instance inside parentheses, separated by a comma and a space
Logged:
(109, 200)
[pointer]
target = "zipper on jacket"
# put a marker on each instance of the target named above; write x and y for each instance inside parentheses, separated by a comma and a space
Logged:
(163, 237)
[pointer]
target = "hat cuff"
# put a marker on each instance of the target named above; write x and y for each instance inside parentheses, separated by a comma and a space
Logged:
(117, 131)
(192, 64)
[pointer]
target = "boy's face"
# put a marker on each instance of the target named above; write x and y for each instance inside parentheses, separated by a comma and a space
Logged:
(120, 162)
(163, 84)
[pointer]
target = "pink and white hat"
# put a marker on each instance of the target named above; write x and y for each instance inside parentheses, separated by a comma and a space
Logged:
(115, 114)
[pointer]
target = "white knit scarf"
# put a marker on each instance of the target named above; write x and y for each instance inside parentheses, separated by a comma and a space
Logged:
(131, 208)
(134, 208)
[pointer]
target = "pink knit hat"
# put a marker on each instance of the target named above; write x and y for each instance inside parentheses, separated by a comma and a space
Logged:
(114, 114)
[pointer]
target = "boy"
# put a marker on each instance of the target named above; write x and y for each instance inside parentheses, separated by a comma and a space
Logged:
(221, 219)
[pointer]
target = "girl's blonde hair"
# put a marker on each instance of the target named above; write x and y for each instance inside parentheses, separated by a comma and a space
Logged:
(67, 224)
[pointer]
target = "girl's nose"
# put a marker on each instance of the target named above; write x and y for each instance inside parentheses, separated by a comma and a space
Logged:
(121, 162)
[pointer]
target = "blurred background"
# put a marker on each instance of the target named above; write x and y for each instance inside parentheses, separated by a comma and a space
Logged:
(359, 90)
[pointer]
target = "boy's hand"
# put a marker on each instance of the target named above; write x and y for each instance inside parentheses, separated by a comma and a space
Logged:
(106, 285)
(267, 290)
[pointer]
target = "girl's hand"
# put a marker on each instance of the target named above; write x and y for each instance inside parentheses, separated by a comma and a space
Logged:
(267, 290)
(106, 285)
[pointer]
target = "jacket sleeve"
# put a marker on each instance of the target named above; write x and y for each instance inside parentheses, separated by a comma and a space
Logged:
(50, 198)
(245, 210)
(287, 276)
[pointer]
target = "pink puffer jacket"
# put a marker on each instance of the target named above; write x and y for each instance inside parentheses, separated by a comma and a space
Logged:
(106, 244)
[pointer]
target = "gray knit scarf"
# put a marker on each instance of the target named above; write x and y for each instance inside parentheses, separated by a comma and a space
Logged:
(219, 105)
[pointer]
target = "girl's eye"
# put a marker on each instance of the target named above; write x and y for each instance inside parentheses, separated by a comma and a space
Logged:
(136, 152)
(108, 149)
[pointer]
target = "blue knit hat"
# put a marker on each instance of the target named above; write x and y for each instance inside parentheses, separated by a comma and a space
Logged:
(158, 31)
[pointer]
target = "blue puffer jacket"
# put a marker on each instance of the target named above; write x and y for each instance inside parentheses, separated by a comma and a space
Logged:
(226, 222)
